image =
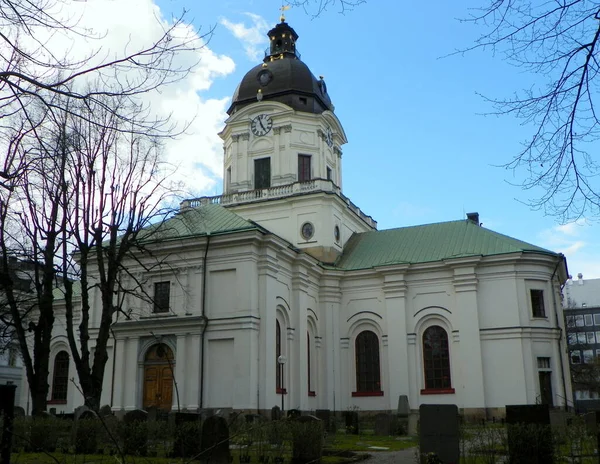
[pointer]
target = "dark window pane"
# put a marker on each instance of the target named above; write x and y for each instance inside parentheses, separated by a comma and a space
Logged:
(367, 362)
(303, 168)
(60, 379)
(278, 367)
(537, 303)
(262, 173)
(162, 293)
(436, 358)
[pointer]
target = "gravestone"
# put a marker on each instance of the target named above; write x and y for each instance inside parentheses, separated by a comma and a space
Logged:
(105, 411)
(87, 427)
(351, 422)
(152, 413)
(19, 411)
(294, 413)
(253, 418)
(134, 432)
(403, 406)
(79, 410)
(590, 423)
(276, 413)
(308, 434)
(439, 432)
(188, 428)
(215, 441)
(384, 424)
(325, 416)
(529, 433)
(89, 414)
(137, 415)
(7, 408)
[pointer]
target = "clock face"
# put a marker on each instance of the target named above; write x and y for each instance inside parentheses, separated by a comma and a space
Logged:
(261, 125)
(329, 137)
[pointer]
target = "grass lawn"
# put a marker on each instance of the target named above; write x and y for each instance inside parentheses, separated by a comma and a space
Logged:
(365, 442)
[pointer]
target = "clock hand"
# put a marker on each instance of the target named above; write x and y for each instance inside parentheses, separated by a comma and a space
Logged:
(261, 125)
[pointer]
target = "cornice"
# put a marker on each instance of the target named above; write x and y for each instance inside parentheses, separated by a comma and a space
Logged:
(170, 324)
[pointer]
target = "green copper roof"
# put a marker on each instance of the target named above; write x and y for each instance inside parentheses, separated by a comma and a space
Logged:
(428, 243)
(190, 222)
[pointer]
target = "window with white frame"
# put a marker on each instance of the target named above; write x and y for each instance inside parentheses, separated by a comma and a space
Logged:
(576, 357)
(572, 338)
(588, 320)
(591, 338)
(579, 321)
(581, 338)
(597, 319)
(588, 356)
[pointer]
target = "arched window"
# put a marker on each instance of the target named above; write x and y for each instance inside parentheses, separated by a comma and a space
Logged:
(436, 359)
(367, 364)
(60, 377)
(310, 366)
(278, 366)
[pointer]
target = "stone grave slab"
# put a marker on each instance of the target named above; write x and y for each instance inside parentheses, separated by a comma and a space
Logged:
(529, 433)
(215, 441)
(440, 432)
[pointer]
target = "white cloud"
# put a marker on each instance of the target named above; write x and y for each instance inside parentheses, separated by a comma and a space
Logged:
(577, 241)
(253, 37)
(110, 32)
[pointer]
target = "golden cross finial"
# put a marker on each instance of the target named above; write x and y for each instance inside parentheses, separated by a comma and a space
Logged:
(283, 8)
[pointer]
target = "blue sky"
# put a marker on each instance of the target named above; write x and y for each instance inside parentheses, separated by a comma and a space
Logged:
(420, 148)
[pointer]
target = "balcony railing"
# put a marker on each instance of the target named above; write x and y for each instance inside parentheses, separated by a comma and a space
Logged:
(278, 191)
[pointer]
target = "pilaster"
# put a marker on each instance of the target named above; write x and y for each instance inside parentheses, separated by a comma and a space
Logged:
(468, 349)
(395, 289)
(330, 298)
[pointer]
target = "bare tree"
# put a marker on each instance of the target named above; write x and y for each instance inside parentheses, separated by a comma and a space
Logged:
(558, 43)
(317, 7)
(90, 186)
(113, 192)
(31, 231)
(33, 74)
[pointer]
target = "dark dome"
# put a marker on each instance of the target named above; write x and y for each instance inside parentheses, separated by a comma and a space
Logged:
(283, 77)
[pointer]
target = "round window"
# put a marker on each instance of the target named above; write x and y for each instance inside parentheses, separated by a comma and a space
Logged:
(336, 233)
(307, 230)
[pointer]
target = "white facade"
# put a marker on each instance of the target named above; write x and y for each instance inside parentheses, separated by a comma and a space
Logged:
(229, 289)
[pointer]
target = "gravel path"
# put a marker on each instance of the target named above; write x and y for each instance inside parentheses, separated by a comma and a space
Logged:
(406, 456)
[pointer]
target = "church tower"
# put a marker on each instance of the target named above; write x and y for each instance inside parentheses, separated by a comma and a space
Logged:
(283, 157)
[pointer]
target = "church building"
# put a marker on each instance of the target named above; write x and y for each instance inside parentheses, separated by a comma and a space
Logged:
(281, 291)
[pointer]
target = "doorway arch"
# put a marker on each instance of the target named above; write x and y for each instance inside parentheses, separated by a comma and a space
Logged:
(159, 366)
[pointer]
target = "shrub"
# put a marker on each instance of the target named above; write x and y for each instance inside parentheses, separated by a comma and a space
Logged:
(134, 438)
(88, 433)
(187, 439)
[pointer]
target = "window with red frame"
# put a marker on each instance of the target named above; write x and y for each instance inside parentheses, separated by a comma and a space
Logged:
(436, 359)
(304, 171)
(367, 363)
(311, 392)
(278, 367)
(60, 378)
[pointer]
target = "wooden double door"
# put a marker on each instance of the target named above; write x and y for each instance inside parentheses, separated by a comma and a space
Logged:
(158, 378)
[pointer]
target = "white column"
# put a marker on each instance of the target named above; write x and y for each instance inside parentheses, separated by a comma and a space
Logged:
(329, 387)
(133, 386)
(120, 369)
(181, 374)
(394, 287)
(470, 361)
